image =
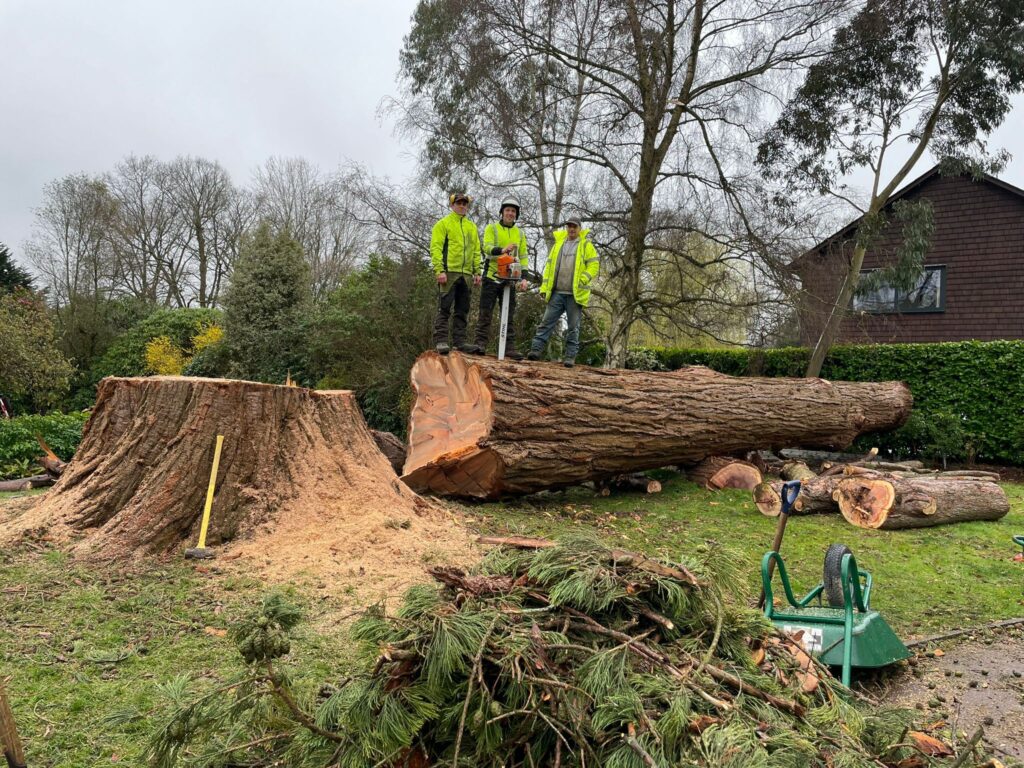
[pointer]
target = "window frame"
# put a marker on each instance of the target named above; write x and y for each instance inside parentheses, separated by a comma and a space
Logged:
(898, 296)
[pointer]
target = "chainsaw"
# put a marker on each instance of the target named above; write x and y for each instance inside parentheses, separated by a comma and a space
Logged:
(509, 272)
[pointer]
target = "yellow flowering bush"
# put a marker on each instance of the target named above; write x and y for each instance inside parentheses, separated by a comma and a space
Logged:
(164, 358)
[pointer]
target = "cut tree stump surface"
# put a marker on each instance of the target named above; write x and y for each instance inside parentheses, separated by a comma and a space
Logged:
(482, 427)
(301, 485)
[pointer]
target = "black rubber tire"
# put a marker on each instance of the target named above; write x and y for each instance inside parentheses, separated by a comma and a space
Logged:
(832, 577)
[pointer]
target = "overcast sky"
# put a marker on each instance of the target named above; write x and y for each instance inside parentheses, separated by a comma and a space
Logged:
(83, 84)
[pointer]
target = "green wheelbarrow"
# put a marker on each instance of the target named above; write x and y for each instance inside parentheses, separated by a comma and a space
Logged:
(845, 632)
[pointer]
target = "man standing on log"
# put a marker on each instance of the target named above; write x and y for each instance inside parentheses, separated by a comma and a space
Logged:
(501, 237)
(455, 255)
(571, 268)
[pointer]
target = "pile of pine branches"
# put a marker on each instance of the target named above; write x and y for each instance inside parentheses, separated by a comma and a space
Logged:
(570, 656)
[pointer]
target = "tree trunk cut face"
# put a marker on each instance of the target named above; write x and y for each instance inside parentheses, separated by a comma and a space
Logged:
(482, 427)
(301, 483)
(452, 414)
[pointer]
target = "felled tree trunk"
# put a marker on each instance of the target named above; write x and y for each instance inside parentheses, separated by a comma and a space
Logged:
(138, 481)
(890, 502)
(481, 427)
(717, 472)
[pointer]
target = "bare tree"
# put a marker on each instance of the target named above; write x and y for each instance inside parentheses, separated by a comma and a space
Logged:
(293, 194)
(202, 190)
(657, 96)
(148, 228)
(70, 248)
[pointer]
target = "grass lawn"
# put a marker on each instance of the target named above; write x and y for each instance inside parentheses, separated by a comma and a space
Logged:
(80, 643)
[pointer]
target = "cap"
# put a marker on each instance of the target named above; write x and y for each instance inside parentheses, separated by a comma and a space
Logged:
(573, 220)
(458, 197)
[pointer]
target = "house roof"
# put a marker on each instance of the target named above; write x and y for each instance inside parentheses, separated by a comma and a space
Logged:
(927, 176)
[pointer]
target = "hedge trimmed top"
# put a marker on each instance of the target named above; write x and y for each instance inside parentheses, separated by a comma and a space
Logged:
(968, 395)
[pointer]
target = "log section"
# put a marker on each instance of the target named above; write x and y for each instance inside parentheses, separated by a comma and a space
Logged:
(889, 502)
(482, 427)
(717, 472)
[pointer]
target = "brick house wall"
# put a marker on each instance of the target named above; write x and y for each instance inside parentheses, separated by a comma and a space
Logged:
(978, 238)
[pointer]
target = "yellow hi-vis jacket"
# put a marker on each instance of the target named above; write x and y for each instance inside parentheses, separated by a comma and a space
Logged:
(455, 245)
(586, 269)
(497, 236)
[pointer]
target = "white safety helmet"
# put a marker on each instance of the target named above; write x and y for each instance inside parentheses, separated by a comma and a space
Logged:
(509, 201)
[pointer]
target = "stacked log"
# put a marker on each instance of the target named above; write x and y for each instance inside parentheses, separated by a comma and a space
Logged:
(870, 498)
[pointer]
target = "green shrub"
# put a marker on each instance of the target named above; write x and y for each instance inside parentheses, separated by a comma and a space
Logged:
(19, 448)
(967, 394)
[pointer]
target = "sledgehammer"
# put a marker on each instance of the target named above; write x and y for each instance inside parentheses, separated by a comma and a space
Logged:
(201, 552)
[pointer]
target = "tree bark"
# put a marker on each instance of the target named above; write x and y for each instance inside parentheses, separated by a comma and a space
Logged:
(391, 447)
(871, 499)
(10, 742)
(796, 470)
(482, 427)
(889, 502)
(138, 481)
(717, 472)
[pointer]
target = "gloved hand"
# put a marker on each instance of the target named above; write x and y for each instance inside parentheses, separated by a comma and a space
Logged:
(477, 279)
(522, 285)
(442, 279)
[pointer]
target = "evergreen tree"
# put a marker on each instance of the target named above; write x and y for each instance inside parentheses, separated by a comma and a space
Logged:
(267, 307)
(11, 275)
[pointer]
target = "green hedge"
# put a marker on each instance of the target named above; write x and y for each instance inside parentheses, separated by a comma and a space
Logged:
(19, 448)
(968, 396)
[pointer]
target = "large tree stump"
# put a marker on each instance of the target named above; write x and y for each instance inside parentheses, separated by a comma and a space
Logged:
(297, 463)
(482, 427)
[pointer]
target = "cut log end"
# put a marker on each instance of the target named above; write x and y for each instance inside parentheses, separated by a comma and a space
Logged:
(717, 472)
(767, 500)
(452, 413)
(864, 502)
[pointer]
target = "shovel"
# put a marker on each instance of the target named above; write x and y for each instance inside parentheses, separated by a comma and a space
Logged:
(790, 490)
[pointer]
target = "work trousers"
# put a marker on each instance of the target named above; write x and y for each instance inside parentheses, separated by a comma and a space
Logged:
(455, 294)
(491, 294)
(560, 303)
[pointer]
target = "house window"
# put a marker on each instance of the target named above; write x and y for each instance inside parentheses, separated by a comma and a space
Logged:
(927, 295)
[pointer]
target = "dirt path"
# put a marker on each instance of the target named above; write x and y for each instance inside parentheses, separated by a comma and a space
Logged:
(977, 681)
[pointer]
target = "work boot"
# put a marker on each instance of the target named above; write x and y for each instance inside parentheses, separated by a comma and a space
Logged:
(513, 355)
(531, 355)
(569, 363)
(470, 349)
(442, 348)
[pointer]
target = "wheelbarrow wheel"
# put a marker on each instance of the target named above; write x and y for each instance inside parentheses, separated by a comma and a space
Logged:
(832, 578)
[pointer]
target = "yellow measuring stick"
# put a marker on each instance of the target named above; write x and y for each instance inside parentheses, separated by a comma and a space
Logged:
(209, 496)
